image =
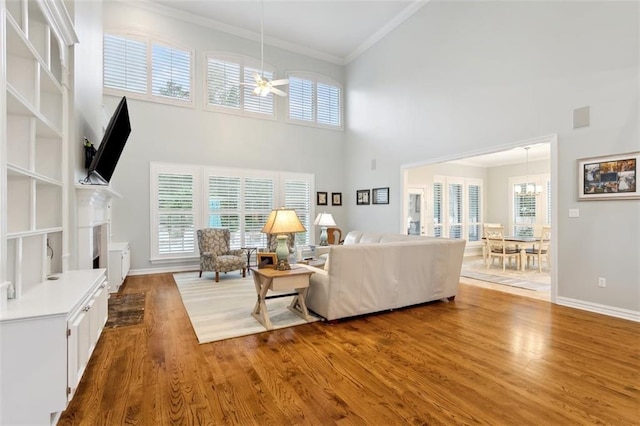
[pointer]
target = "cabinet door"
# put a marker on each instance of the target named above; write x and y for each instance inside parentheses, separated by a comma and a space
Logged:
(99, 313)
(77, 349)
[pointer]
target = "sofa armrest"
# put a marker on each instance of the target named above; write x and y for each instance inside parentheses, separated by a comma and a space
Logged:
(320, 250)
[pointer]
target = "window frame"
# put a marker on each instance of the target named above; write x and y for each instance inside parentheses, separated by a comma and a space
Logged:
(243, 61)
(201, 174)
(151, 40)
(543, 210)
(446, 225)
(315, 79)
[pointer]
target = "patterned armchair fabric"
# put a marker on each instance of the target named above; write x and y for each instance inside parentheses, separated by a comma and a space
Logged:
(215, 254)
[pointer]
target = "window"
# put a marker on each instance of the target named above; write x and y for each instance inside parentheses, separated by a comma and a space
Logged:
(145, 68)
(239, 200)
(457, 211)
(174, 204)
(315, 100)
(437, 209)
(230, 84)
(529, 212)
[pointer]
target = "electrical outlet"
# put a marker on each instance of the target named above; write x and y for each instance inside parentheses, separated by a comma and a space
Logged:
(602, 282)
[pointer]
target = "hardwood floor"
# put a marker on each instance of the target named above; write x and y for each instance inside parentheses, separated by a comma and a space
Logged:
(486, 358)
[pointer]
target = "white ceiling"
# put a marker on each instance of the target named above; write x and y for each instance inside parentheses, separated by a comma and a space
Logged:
(333, 30)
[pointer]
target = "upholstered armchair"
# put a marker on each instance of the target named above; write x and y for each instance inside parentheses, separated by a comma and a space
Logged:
(216, 255)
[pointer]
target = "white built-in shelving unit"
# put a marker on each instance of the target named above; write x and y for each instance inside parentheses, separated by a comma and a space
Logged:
(35, 145)
(48, 327)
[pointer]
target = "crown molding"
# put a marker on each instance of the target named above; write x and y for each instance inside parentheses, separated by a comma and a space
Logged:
(231, 29)
(390, 26)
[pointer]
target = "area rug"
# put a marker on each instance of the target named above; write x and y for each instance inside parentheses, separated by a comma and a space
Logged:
(125, 310)
(222, 310)
(529, 279)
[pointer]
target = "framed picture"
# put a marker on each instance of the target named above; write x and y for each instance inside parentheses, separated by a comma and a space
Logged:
(267, 260)
(321, 198)
(336, 198)
(613, 177)
(362, 197)
(380, 195)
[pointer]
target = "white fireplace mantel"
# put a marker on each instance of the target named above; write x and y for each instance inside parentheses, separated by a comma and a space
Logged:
(94, 209)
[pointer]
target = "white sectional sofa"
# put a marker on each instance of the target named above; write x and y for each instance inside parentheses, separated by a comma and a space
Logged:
(376, 272)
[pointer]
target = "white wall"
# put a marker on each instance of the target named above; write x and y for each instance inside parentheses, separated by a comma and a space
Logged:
(193, 136)
(87, 99)
(459, 77)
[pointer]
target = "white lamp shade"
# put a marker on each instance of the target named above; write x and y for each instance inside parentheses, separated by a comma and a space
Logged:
(324, 219)
(283, 221)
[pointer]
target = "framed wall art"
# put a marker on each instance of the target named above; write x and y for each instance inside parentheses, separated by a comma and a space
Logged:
(362, 197)
(321, 198)
(336, 198)
(380, 195)
(612, 177)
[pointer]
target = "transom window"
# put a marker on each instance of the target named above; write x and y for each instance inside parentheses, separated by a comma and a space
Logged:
(315, 100)
(230, 84)
(145, 68)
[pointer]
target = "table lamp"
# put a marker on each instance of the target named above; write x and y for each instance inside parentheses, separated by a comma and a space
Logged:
(282, 222)
(324, 220)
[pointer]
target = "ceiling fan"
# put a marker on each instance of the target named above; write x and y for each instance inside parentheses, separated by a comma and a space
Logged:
(263, 85)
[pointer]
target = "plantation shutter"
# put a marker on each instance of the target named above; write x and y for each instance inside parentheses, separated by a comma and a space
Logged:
(258, 203)
(224, 206)
(300, 99)
(176, 214)
(437, 209)
(171, 72)
(474, 219)
(455, 210)
(297, 196)
(548, 215)
(223, 83)
(328, 104)
(125, 64)
(256, 103)
(524, 210)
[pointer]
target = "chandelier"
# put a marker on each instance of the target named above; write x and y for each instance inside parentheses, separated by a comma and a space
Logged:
(528, 189)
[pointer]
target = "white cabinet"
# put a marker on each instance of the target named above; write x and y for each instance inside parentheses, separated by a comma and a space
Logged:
(47, 338)
(119, 263)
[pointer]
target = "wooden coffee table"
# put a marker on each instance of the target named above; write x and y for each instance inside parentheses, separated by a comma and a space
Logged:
(266, 279)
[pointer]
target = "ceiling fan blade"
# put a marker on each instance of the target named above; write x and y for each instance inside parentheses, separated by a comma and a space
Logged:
(280, 82)
(257, 90)
(278, 92)
(257, 77)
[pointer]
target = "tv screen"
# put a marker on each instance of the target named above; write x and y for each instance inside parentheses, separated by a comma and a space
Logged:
(113, 141)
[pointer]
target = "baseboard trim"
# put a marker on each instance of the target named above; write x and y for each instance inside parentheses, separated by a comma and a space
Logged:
(599, 309)
(164, 270)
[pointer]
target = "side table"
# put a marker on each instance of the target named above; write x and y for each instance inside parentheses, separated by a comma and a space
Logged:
(249, 250)
(266, 279)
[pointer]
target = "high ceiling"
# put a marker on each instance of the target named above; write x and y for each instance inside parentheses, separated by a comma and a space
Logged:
(333, 30)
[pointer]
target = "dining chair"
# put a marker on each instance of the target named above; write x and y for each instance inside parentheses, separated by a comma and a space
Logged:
(541, 249)
(485, 252)
(497, 247)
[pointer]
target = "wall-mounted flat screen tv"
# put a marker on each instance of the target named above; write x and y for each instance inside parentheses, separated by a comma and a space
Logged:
(113, 142)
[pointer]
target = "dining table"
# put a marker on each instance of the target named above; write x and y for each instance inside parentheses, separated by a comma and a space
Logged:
(521, 243)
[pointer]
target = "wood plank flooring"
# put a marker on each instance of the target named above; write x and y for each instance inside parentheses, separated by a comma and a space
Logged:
(486, 358)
